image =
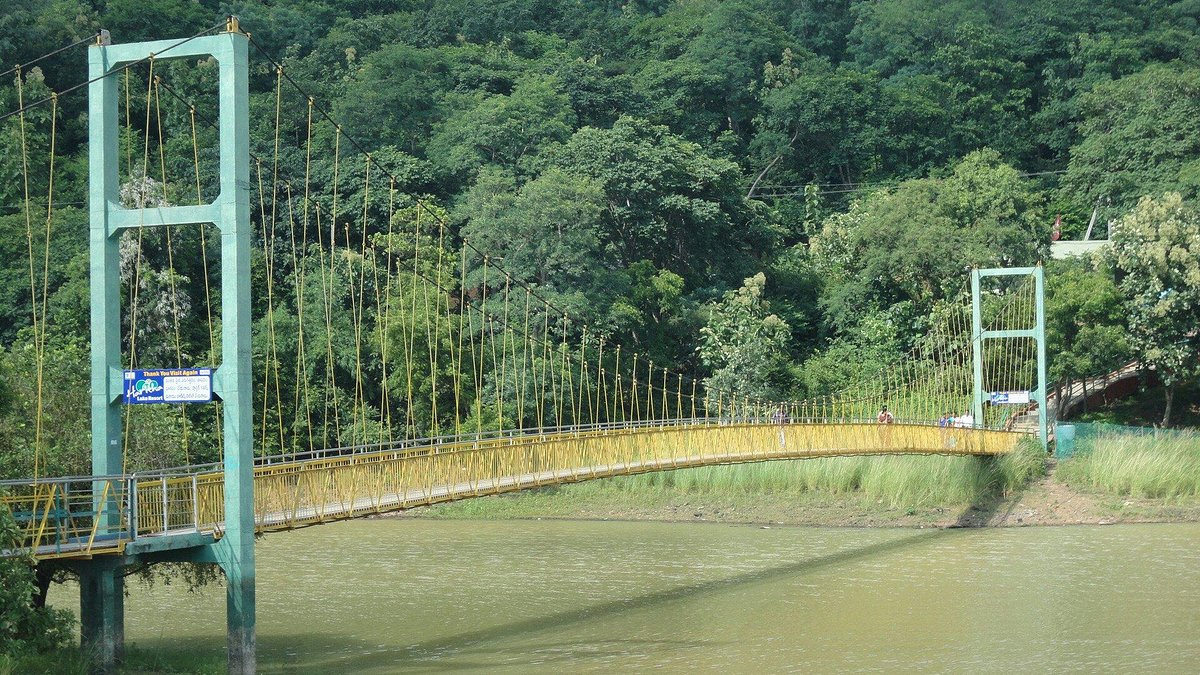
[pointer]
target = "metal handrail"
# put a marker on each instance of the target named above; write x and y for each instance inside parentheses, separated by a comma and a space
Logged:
(427, 443)
(189, 500)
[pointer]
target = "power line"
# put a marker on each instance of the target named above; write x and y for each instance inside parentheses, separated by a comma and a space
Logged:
(850, 187)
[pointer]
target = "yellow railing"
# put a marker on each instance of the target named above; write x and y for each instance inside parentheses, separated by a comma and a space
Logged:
(68, 517)
(290, 495)
(62, 519)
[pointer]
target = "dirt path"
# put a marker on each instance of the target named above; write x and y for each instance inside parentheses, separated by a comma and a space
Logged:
(1048, 501)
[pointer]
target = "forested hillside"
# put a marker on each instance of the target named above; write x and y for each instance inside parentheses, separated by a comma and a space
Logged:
(771, 193)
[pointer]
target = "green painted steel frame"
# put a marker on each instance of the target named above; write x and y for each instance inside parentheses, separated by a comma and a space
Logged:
(1037, 333)
(102, 620)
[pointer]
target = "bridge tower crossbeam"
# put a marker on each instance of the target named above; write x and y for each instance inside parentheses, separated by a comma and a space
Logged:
(101, 604)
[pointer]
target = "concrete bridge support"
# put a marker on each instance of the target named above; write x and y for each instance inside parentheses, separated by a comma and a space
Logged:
(102, 613)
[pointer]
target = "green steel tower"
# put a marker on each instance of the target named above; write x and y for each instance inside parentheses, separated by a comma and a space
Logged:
(1036, 332)
(101, 604)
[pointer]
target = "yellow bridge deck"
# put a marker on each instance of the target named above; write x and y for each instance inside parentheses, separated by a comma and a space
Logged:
(89, 517)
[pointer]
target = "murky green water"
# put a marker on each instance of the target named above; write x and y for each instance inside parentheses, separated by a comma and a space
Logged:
(415, 595)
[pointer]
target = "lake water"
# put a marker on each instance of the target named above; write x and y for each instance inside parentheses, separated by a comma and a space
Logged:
(381, 596)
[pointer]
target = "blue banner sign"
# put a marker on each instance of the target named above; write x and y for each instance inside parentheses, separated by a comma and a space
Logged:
(1009, 397)
(168, 385)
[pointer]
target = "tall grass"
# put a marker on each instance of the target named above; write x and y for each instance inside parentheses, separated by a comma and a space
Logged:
(898, 482)
(1139, 466)
(72, 660)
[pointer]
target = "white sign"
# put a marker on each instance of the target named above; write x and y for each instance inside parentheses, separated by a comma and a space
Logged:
(187, 388)
(1009, 397)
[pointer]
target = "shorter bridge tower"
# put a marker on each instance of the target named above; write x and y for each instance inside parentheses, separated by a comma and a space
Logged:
(1031, 325)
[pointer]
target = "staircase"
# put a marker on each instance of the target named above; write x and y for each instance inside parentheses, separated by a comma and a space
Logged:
(1027, 420)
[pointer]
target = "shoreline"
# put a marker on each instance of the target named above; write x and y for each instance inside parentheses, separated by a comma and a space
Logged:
(1044, 502)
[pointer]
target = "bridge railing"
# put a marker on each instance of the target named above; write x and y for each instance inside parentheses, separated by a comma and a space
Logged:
(423, 444)
(291, 495)
(172, 504)
(68, 516)
(85, 514)
(63, 516)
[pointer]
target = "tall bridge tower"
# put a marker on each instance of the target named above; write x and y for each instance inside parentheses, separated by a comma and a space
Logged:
(101, 601)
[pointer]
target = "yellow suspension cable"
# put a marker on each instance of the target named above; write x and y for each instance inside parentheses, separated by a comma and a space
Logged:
(301, 353)
(133, 323)
(635, 407)
(385, 342)
(212, 342)
(526, 356)
(462, 312)
(162, 161)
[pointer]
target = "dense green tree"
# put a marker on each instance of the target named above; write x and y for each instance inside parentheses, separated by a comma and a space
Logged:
(134, 20)
(961, 50)
(25, 146)
(1157, 247)
(794, 287)
(45, 427)
(986, 92)
(679, 95)
(510, 131)
(914, 243)
(918, 139)
(394, 96)
(850, 359)
(1139, 135)
(901, 36)
(744, 345)
(480, 21)
(24, 628)
(666, 200)
(817, 123)
(547, 233)
(736, 39)
(706, 59)
(62, 263)
(652, 315)
(597, 97)
(1086, 322)
(822, 26)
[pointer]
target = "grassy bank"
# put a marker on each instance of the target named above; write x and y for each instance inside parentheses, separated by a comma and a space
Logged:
(889, 483)
(1167, 467)
(72, 662)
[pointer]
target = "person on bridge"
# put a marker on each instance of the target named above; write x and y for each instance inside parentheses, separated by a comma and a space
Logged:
(885, 420)
(944, 425)
(966, 421)
(780, 417)
(884, 416)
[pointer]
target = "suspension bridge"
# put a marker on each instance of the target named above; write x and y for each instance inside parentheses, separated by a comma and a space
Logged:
(321, 344)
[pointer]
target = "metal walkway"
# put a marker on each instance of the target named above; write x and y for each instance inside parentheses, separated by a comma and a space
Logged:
(85, 517)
